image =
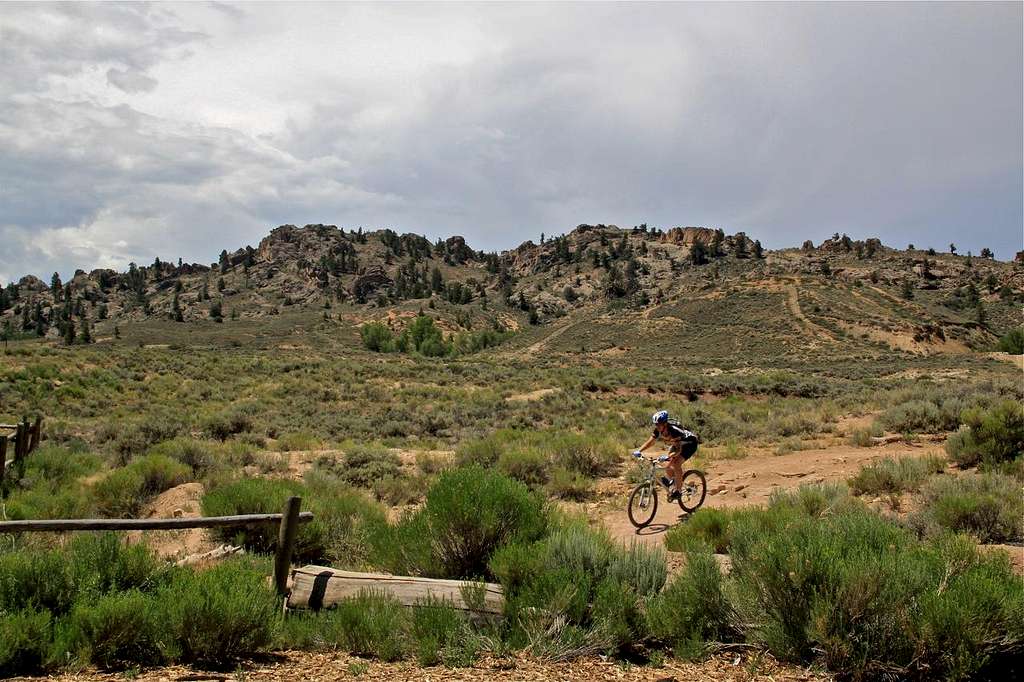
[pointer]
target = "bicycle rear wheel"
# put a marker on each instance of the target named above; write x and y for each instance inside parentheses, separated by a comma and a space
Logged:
(643, 504)
(693, 489)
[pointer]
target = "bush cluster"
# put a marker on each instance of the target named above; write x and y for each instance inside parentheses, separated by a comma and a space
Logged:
(989, 437)
(895, 475)
(100, 601)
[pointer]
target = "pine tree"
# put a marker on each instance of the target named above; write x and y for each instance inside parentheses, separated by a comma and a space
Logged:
(205, 293)
(980, 314)
(952, 248)
(86, 336)
(176, 310)
(224, 262)
(69, 333)
(907, 290)
(220, 284)
(436, 281)
(55, 286)
(758, 249)
(117, 332)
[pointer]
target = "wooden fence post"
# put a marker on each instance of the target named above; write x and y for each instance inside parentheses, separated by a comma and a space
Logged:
(37, 433)
(3, 460)
(286, 544)
(21, 448)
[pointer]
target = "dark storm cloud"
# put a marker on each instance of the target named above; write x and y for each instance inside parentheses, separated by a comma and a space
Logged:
(501, 122)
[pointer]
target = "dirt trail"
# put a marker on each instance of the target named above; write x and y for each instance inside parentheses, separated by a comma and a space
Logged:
(751, 481)
(793, 305)
(536, 348)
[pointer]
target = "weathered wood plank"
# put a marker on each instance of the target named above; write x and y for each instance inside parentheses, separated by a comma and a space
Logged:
(37, 434)
(59, 525)
(316, 587)
(286, 543)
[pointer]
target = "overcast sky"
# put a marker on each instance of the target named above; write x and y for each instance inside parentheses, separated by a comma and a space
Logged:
(134, 131)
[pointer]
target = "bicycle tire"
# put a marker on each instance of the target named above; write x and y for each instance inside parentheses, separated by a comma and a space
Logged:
(637, 520)
(687, 505)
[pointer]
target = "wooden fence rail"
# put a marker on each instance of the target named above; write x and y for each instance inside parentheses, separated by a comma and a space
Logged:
(289, 524)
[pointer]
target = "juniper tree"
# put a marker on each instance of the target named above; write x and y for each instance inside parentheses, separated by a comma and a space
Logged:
(69, 332)
(85, 336)
(176, 313)
(907, 290)
(758, 249)
(698, 255)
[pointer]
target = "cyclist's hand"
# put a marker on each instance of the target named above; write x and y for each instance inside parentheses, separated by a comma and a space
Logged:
(663, 458)
(637, 454)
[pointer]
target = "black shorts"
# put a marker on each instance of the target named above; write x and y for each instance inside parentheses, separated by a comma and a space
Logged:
(685, 448)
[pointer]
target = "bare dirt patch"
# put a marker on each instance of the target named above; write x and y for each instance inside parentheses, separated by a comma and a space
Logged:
(183, 501)
(751, 481)
(532, 396)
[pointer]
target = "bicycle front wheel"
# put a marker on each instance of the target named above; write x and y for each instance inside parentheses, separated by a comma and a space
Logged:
(693, 489)
(643, 504)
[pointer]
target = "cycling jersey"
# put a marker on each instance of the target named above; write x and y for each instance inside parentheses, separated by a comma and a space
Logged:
(674, 434)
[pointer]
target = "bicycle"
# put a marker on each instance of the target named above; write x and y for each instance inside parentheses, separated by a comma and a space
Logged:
(643, 501)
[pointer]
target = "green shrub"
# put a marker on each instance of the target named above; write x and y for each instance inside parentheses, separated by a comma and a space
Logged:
(362, 466)
(469, 513)
(916, 416)
(135, 439)
(482, 452)
(218, 615)
(526, 465)
(861, 438)
(710, 526)
(895, 475)
(441, 634)
(377, 337)
(59, 466)
(693, 610)
(371, 625)
(260, 496)
(583, 577)
(296, 441)
(870, 600)
(24, 641)
(1013, 341)
(116, 630)
(342, 519)
(989, 436)
(123, 492)
(989, 506)
(569, 485)
(106, 562)
(197, 455)
(228, 423)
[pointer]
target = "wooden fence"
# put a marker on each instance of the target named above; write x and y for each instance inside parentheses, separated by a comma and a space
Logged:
(16, 444)
(289, 522)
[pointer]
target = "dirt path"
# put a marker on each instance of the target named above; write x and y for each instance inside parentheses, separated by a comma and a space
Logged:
(313, 666)
(537, 347)
(793, 305)
(751, 481)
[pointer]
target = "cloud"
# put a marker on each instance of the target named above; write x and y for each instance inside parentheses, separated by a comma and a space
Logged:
(130, 80)
(133, 131)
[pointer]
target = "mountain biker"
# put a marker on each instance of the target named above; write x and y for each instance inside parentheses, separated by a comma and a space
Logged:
(682, 444)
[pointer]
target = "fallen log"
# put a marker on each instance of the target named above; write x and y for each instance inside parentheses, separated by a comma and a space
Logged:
(317, 587)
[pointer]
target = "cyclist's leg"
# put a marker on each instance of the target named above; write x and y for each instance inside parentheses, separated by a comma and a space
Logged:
(675, 465)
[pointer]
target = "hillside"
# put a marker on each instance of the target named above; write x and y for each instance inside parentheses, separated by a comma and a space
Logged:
(689, 290)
